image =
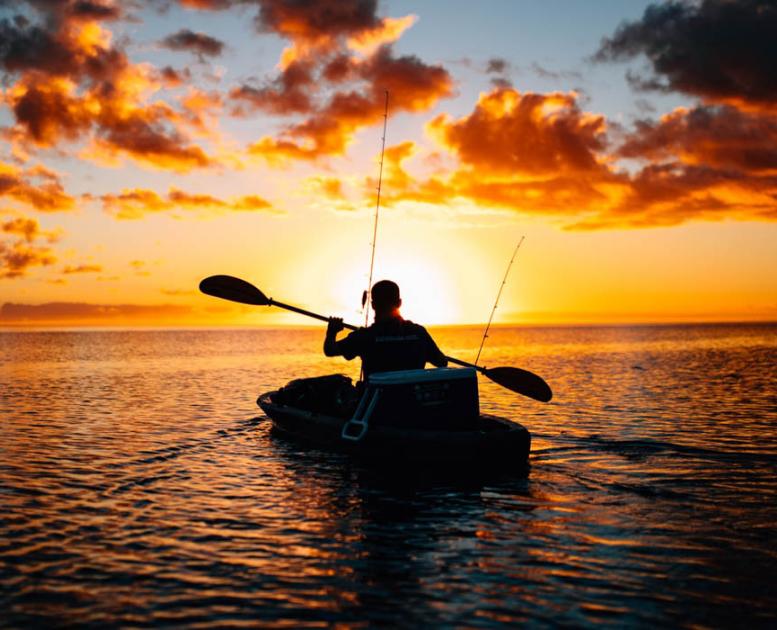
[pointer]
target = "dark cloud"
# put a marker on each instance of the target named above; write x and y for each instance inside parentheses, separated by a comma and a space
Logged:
(174, 77)
(545, 73)
(94, 10)
(719, 50)
(290, 92)
(200, 44)
(497, 65)
(316, 20)
(721, 137)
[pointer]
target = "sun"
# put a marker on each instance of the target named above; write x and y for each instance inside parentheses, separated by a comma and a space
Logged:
(428, 295)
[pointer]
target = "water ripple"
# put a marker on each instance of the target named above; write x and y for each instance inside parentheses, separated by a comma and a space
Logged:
(140, 487)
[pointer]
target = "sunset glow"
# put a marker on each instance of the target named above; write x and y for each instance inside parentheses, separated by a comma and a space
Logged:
(148, 145)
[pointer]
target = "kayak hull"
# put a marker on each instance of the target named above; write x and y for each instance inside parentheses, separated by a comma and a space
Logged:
(493, 441)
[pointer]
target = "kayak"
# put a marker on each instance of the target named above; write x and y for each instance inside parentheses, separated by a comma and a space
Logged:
(412, 416)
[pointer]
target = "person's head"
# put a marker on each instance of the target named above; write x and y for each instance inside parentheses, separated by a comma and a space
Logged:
(385, 297)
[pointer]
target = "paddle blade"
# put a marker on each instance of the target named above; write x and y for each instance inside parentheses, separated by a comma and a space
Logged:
(521, 382)
(233, 289)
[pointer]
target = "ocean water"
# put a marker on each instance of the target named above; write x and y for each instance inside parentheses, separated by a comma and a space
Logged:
(140, 485)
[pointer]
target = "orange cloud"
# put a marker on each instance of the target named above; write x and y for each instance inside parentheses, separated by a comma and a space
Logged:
(17, 258)
(72, 83)
(135, 204)
(540, 154)
(339, 44)
(29, 229)
(46, 197)
(530, 134)
(69, 269)
(413, 86)
(387, 31)
(18, 248)
(332, 191)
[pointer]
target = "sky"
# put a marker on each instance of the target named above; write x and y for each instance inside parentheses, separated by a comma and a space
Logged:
(151, 143)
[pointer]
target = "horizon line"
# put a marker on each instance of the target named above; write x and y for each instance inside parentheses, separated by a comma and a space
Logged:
(91, 327)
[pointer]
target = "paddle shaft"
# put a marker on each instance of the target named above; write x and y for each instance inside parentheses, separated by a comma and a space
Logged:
(465, 364)
(302, 311)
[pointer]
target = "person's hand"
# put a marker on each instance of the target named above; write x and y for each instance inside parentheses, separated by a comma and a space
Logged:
(335, 325)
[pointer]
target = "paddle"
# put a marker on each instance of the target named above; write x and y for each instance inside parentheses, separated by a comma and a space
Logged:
(237, 290)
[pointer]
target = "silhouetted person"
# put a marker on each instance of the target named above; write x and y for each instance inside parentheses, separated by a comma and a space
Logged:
(391, 343)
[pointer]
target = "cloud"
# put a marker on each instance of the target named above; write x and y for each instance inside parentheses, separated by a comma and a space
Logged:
(48, 196)
(69, 82)
(178, 292)
(16, 258)
(716, 159)
(413, 87)
(200, 109)
(137, 203)
(543, 134)
(290, 92)
(84, 313)
(315, 21)
(335, 73)
(70, 269)
(29, 229)
(19, 250)
(718, 50)
(207, 5)
(200, 44)
(388, 30)
(173, 78)
(720, 137)
(497, 65)
(81, 312)
(539, 154)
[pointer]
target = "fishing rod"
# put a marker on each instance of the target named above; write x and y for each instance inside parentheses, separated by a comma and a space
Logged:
(498, 295)
(366, 292)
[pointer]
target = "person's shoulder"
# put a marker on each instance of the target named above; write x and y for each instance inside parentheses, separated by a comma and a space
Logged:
(412, 326)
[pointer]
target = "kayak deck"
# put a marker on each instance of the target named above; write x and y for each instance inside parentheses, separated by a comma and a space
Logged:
(491, 440)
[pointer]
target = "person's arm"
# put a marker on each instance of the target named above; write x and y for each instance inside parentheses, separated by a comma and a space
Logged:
(330, 341)
(433, 354)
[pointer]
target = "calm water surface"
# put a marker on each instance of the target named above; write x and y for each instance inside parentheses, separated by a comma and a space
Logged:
(140, 485)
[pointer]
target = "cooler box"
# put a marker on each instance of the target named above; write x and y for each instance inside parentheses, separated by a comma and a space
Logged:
(437, 399)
